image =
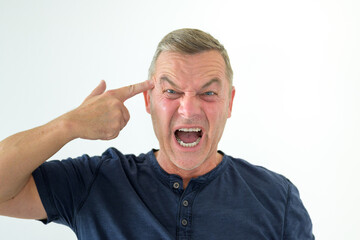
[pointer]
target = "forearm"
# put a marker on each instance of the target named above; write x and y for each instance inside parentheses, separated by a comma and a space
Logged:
(101, 116)
(22, 153)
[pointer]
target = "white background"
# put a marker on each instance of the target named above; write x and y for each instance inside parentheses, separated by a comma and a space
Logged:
(296, 71)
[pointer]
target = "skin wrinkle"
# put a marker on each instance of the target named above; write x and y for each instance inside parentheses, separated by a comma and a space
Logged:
(164, 79)
(190, 76)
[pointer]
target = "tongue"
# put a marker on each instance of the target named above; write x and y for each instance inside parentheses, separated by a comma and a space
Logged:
(187, 137)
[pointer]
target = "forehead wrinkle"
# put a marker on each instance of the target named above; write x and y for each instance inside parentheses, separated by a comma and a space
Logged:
(166, 79)
(191, 64)
(190, 71)
(214, 80)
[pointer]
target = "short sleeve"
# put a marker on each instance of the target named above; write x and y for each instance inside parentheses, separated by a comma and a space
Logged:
(297, 224)
(63, 186)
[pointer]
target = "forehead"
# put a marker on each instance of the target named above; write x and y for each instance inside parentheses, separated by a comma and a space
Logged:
(202, 66)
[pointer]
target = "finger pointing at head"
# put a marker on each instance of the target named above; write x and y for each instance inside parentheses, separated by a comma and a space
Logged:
(127, 92)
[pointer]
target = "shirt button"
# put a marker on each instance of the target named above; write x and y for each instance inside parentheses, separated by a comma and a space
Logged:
(185, 203)
(184, 222)
(176, 185)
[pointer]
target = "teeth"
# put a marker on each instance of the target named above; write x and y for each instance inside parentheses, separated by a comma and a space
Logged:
(193, 144)
(190, 129)
(188, 144)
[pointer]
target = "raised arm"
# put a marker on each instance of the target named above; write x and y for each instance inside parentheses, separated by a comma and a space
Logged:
(102, 115)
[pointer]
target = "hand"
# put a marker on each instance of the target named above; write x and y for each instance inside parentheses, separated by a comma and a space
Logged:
(103, 115)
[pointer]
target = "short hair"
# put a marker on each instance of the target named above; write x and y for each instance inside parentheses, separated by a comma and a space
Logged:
(191, 41)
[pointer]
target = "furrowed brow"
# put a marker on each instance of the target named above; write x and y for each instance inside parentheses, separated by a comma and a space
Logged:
(214, 80)
(166, 79)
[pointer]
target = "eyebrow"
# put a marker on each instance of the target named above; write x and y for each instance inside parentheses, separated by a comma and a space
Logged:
(214, 80)
(166, 79)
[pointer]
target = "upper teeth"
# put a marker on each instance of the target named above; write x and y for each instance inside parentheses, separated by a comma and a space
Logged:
(190, 129)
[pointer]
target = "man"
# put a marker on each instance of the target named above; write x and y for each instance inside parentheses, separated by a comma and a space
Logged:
(187, 189)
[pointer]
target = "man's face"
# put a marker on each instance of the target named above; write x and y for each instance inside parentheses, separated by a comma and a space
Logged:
(189, 106)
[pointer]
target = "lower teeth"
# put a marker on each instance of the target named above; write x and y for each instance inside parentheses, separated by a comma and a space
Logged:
(188, 144)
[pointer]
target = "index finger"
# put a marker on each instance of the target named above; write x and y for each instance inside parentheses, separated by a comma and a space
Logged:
(127, 92)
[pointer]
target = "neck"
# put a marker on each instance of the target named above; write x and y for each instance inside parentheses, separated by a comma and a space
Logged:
(186, 175)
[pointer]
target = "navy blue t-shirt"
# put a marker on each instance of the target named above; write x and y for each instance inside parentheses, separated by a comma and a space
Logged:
(116, 196)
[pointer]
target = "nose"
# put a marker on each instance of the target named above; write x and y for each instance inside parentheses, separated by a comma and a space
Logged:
(190, 106)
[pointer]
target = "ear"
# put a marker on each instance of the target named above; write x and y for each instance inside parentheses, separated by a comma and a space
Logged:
(147, 100)
(231, 101)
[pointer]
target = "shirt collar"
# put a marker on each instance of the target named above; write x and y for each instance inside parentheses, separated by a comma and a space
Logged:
(170, 179)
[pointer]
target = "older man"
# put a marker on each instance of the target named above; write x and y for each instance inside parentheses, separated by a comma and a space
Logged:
(187, 189)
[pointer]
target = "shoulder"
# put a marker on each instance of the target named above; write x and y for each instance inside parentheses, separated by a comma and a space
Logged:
(113, 157)
(259, 179)
(110, 159)
(113, 164)
(113, 154)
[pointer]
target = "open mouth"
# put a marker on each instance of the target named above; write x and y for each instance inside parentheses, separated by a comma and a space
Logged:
(188, 137)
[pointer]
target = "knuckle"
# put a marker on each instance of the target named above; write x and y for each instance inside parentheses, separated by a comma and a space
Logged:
(109, 93)
(117, 125)
(117, 115)
(114, 103)
(127, 117)
(111, 134)
(131, 89)
(117, 103)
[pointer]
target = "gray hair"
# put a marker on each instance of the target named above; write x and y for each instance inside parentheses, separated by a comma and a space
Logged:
(190, 41)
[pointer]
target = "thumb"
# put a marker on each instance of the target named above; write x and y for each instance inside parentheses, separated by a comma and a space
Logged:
(98, 90)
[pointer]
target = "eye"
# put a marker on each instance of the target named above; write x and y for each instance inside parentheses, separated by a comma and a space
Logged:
(169, 93)
(209, 93)
(209, 96)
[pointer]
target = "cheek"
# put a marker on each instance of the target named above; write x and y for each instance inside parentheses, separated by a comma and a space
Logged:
(164, 108)
(216, 115)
